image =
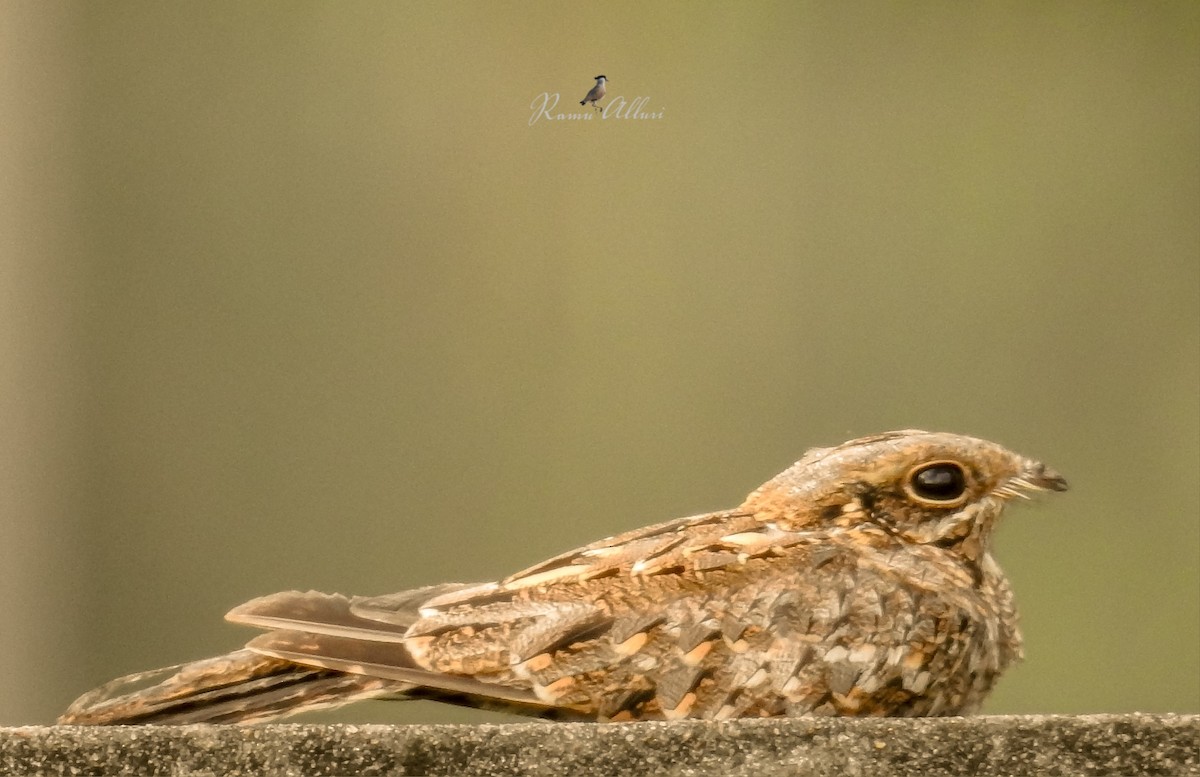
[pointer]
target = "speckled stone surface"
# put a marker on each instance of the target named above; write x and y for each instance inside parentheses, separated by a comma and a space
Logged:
(1010, 745)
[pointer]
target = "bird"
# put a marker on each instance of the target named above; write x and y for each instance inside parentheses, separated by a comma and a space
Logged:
(597, 92)
(860, 581)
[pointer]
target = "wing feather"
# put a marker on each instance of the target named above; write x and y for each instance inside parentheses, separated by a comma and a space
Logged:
(377, 660)
(314, 612)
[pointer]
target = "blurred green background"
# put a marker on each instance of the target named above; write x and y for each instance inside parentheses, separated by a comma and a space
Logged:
(293, 296)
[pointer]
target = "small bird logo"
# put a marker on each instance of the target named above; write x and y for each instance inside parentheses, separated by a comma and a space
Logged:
(597, 92)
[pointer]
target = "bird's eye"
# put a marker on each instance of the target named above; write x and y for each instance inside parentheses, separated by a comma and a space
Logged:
(942, 482)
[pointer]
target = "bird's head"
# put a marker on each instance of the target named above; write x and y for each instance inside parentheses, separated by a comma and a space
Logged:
(921, 487)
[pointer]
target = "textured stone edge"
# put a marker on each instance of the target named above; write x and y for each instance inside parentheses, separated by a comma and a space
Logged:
(1133, 744)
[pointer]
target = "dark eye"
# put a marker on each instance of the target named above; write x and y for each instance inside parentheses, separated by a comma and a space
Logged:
(942, 481)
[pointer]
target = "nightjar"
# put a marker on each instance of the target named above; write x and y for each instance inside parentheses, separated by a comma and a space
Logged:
(859, 581)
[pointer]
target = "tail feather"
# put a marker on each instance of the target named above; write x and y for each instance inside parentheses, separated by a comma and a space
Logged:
(320, 651)
(241, 687)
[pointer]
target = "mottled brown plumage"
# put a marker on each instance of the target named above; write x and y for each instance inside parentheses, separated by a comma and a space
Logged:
(859, 581)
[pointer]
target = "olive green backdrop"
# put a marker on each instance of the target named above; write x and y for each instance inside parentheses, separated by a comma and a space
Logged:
(295, 297)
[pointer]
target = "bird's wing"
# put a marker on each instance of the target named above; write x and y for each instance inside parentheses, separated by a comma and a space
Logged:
(693, 542)
(698, 541)
(367, 617)
(708, 616)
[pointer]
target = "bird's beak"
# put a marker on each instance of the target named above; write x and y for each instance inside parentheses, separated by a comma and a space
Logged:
(1041, 476)
(1036, 476)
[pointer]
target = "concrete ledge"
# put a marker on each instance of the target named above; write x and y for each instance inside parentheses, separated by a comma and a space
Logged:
(1014, 746)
